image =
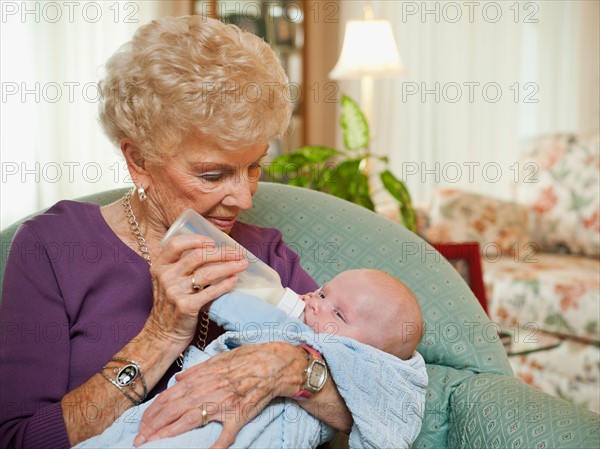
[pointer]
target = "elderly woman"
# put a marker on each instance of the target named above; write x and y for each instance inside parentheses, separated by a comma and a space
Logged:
(100, 310)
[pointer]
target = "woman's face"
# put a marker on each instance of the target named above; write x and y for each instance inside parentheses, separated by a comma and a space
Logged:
(201, 176)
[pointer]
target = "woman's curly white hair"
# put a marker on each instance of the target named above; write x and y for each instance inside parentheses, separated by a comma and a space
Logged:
(193, 75)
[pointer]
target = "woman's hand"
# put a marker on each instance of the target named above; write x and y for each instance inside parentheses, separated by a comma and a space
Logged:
(183, 261)
(232, 388)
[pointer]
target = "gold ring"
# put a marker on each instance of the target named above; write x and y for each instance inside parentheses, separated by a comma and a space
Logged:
(195, 287)
(204, 417)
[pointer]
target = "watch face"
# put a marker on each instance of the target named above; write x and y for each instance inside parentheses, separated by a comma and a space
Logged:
(317, 375)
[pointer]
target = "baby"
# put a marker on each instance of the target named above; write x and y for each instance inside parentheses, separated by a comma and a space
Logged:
(369, 306)
(366, 306)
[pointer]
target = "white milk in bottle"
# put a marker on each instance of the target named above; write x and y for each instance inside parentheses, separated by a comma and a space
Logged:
(258, 279)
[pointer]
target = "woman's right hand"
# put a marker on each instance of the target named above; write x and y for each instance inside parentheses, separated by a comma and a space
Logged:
(176, 307)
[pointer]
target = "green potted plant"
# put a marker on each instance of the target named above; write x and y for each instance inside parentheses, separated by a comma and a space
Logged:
(343, 173)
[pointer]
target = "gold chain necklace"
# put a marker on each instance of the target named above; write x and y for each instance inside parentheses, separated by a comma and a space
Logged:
(145, 252)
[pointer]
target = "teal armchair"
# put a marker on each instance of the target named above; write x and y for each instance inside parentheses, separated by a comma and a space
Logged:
(473, 401)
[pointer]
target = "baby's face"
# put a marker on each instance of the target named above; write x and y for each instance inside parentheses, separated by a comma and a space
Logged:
(346, 306)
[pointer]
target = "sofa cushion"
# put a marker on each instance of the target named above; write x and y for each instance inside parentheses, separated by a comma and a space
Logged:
(559, 293)
(570, 371)
(559, 178)
(500, 227)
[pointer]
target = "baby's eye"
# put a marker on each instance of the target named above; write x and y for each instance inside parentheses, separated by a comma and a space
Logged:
(340, 315)
(321, 294)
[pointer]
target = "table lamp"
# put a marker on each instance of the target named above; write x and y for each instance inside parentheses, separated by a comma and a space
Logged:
(369, 51)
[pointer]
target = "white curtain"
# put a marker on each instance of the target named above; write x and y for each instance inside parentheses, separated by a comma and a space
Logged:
(480, 77)
(52, 55)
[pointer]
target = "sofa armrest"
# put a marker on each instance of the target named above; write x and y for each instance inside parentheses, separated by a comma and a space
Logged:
(489, 410)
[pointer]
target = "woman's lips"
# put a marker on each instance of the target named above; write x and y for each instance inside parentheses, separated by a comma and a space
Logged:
(224, 223)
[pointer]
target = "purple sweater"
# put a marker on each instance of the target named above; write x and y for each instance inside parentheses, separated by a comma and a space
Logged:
(74, 294)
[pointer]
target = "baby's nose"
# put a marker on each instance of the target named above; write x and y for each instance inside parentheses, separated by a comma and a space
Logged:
(313, 302)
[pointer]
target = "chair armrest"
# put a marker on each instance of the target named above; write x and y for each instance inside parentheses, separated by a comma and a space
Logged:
(490, 410)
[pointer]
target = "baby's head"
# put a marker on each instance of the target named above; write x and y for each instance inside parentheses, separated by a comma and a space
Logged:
(369, 306)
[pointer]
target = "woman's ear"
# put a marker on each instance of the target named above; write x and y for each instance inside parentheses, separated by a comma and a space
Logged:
(135, 163)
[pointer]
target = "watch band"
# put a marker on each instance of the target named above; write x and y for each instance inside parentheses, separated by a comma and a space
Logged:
(312, 351)
(316, 368)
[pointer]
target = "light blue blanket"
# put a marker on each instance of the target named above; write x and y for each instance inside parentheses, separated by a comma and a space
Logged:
(385, 395)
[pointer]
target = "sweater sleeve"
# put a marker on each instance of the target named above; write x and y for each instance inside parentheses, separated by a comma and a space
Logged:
(291, 272)
(34, 353)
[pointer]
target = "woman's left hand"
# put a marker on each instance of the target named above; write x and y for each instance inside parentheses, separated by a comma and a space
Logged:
(232, 388)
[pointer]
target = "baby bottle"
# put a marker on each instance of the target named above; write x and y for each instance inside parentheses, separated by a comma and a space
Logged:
(258, 279)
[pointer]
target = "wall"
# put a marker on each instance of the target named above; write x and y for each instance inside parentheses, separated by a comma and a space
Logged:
(478, 82)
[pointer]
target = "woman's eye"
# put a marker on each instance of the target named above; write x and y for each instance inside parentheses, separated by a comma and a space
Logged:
(211, 176)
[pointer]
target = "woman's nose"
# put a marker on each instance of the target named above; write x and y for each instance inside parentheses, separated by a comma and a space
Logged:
(240, 194)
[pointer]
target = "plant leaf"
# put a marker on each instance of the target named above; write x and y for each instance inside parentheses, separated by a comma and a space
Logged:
(340, 181)
(350, 183)
(285, 166)
(325, 177)
(316, 154)
(354, 125)
(399, 191)
(314, 167)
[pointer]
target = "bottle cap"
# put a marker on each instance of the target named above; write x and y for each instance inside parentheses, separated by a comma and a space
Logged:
(291, 304)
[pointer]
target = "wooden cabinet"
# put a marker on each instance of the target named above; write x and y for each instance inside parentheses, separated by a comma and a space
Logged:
(305, 35)
(281, 24)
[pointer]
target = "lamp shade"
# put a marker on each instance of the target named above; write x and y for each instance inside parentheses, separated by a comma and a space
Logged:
(369, 49)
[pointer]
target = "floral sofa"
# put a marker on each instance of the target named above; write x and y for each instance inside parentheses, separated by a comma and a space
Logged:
(540, 259)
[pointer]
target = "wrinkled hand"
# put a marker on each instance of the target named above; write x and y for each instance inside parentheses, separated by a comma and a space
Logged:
(174, 314)
(233, 388)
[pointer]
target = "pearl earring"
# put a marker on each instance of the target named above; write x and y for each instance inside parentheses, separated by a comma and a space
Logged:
(141, 194)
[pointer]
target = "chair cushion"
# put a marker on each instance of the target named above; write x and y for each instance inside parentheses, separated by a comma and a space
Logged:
(559, 180)
(490, 411)
(558, 292)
